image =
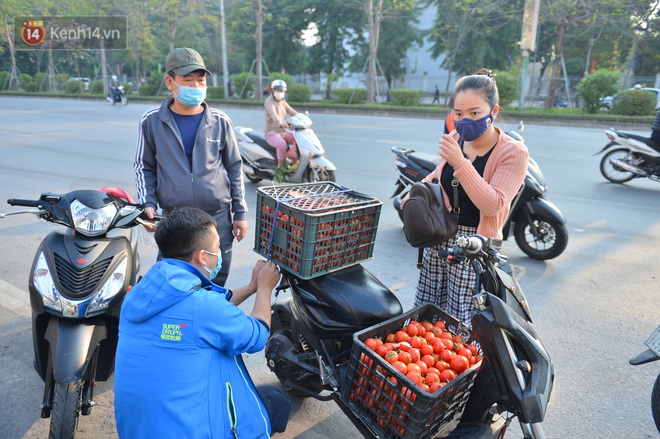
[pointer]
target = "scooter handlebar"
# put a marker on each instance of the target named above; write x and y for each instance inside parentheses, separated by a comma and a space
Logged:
(26, 203)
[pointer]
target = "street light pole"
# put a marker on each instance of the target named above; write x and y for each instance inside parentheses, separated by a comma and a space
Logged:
(225, 77)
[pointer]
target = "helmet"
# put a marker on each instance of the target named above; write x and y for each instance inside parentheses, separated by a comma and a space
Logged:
(114, 77)
(279, 85)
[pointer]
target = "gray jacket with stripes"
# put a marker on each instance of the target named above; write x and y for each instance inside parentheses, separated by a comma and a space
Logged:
(164, 177)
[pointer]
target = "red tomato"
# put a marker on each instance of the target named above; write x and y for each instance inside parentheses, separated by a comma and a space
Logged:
(432, 369)
(464, 352)
(400, 366)
(421, 330)
(473, 349)
(449, 344)
(415, 341)
(459, 339)
(438, 347)
(430, 337)
(411, 329)
(447, 355)
(426, 350)
(401, 336)
(459, 363)
(427, 325)
(441, 365)
(405, 357)
(389, 346)
(447, 375)
(414, 367)
(431, 378)
(391, 338)
(372, 343)
(428, 360)
(423, 367)
(434, 387)
(447, 335)
(440, 324)
(382, 350)
(415, 377)
(391, 356)
(414, 354)
(437, 331)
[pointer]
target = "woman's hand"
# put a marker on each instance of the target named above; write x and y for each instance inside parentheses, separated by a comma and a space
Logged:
(450, 149)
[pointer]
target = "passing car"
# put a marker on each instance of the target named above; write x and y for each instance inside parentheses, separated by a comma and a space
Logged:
(608, 101)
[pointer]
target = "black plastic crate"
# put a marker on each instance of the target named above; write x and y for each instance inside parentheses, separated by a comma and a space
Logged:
(389, 402)
(319, 227)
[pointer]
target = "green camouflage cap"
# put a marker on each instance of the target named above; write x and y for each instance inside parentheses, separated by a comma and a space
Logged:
(183, 61)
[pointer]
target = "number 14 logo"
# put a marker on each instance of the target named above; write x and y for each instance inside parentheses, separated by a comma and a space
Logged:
(33, 32)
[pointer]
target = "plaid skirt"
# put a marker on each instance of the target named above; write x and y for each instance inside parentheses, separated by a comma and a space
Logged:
(449, 286)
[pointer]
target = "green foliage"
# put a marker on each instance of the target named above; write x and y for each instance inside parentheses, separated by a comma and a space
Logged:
(405, 97)
(635, 103)
(153, 85)
(283, 76)
(24, 78)
(241, 82)
(352, 95)
(96, 87)
(592, 88)
(299, 93)
(128, 88)
(215, 92)
(507, 87)
(31, 87)
(4, 75)
(73, 87)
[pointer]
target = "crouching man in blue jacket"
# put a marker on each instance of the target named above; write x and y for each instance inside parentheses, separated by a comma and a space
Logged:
(179, 370)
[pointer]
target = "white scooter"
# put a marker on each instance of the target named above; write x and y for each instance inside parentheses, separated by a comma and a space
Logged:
(632, 157)
(260, 159)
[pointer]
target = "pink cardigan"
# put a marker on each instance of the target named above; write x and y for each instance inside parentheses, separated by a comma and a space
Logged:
(492, 193)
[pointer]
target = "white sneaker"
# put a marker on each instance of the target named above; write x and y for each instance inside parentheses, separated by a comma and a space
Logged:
(109, 100)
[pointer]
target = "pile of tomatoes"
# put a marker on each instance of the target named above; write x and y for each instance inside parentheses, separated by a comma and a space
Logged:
(426, 353)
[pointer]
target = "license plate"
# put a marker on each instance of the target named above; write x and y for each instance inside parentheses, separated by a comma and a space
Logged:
(653, 342)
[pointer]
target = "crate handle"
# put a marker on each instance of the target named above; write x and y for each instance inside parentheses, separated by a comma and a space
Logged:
(277, 209)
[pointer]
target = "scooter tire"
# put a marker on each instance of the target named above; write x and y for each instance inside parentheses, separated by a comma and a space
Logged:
(550, 243)
(322, 175)
(252, 179)
(612, 174)
(124, 100)
(65, 410)
(655, 403)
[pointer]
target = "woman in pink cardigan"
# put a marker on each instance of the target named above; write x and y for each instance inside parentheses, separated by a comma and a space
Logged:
(490, 167)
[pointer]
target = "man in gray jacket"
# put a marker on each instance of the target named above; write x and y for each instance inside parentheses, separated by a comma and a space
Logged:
(187, 155)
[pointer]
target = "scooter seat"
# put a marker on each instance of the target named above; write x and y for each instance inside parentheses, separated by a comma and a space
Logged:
(646, 140)
(425, 160)
(261, 141)
(350, 299)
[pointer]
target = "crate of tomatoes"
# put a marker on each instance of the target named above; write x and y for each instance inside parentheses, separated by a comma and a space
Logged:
(315, 228)
(410, 376)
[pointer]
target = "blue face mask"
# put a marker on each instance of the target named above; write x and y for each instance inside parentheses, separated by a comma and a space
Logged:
(470, 129)
(191, 96)
(213, 273)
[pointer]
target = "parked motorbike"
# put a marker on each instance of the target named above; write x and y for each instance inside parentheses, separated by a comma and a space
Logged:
(77, 283)
(119, 97)
(260, 159)
(313, 334)
(631, 156)
(538, 225)
(648, 356)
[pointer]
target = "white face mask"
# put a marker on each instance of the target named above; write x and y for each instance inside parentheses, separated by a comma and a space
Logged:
(279, 95)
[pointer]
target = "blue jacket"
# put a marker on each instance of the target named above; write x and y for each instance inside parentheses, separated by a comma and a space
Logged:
(179, 373)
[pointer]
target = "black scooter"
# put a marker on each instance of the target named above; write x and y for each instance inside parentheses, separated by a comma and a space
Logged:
(314, 334)
(77, 283)
(538, 225)
(649, 356)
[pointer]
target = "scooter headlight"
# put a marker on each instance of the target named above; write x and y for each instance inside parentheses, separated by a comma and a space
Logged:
(90, 221)
(44, 284)
(110, 288)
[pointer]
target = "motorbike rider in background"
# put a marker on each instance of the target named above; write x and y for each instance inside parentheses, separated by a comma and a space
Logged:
(113, 85)
(277, 131)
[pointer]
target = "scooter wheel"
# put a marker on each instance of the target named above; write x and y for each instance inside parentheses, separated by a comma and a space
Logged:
(314, 176)
(549, 241)
(64, 415)
(612, 173)
(655, 403)
(253, 179)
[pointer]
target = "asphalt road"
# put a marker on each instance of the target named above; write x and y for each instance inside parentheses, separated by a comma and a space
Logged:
(594, 306)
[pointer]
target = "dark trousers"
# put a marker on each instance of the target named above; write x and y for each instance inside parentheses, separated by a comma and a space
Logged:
(278, 406)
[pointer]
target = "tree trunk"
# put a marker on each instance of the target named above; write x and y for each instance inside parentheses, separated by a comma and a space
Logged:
(374, 17)
(556, 66)
(258, 36)
(13, 77)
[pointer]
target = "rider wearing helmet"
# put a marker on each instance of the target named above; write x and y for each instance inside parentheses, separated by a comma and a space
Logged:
(277, 133)
(113, 85)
